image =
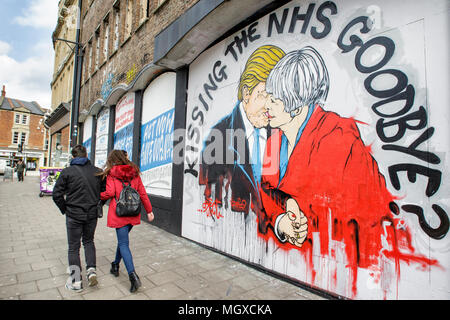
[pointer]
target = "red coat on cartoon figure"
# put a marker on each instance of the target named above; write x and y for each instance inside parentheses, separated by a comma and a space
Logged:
(336, 183)
(113, 188)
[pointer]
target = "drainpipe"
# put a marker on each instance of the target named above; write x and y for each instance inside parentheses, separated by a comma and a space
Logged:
(76, 83)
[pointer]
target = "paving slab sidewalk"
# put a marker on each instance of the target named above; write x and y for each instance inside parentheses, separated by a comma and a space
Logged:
(33, 260)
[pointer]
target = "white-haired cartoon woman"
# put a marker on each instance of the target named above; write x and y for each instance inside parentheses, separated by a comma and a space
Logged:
(325, 174)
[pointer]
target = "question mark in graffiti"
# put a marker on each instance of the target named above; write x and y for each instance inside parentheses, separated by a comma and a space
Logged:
(435, 233)
(374, 13)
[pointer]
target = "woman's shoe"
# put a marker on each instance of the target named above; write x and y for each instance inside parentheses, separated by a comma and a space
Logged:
(135, 282)
(114, 269)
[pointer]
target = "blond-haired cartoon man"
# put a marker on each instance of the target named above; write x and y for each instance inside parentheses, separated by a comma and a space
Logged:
(243, 135)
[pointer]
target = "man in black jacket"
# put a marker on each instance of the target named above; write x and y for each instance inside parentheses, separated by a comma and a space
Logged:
(77, 193)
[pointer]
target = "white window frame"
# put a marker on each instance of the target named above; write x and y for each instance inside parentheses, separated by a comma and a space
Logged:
(144, 10)
(15, 136)
(116, 28)
(97, 49)
(129, 19)
(20, 117)
(23, 138)
(90, 58)
(106, 41)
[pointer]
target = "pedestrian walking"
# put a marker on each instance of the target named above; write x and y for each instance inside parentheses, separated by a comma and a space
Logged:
(77, 194)
(20, 168)
(121, 173)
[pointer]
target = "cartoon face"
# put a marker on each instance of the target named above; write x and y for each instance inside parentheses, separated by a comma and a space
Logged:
(275, 112)
(254, 105)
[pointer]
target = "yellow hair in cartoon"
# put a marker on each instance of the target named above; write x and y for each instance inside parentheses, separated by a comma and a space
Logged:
(258, 67)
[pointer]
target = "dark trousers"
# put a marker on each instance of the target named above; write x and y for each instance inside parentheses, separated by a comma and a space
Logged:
(78, 230)
(20, 175)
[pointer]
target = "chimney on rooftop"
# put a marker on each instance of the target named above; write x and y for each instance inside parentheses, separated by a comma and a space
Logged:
(3, 91)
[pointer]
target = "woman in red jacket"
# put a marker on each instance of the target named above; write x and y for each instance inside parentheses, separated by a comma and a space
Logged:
(119, 168)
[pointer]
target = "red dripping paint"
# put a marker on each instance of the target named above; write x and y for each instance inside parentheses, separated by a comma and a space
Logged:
(332, 175)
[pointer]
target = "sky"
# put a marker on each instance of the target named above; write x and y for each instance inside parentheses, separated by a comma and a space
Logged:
(26, 49)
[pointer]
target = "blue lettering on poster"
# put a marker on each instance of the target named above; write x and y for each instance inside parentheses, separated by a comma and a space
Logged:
(87, 145)
(123, 140)
(157, 141)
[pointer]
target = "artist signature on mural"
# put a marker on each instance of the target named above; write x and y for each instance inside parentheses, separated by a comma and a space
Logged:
(211, 208)
(239, 204)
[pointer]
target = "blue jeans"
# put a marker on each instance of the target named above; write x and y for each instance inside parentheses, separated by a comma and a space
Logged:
(123, 248)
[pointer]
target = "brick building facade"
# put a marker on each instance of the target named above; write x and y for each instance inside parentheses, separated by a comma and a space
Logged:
(62, 83)
(118, 42)
(21, 122)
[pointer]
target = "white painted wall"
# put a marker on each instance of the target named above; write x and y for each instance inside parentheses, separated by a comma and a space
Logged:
(157, 135)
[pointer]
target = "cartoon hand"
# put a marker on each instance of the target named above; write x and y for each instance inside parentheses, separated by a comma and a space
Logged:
(294, 224)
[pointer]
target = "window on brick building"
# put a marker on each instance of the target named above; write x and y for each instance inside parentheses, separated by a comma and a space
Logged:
(23, 138)
(85, 64)
(90, 58)
(116, 27)
(106, 39)
(97, 48)
(144, 10)
(15, 137)
(20, 118)
(69, 83)
(129, 18)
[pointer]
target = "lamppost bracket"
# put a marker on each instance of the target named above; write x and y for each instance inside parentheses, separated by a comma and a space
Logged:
(65, 40)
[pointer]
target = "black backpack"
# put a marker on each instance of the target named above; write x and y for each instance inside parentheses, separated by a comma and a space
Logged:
(129, 202)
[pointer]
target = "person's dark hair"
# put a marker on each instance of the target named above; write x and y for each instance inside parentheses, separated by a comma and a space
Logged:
(115, 158)
(79, 151)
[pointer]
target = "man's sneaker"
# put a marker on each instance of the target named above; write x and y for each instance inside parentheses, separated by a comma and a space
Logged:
(76, 286)
(92, 277)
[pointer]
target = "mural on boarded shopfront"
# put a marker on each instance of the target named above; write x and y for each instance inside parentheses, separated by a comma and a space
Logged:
(123, 128)
(157, 135)
(312, 150)
(101, 144)
(87, 135)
